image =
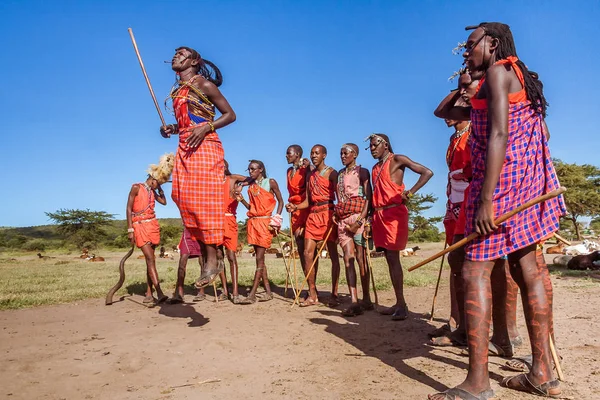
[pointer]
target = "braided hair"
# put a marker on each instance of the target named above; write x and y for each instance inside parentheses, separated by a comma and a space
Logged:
(261, 165)
(506, 47)
(207, 69)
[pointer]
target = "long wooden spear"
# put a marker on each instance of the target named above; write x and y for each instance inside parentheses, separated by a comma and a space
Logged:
(137, 52)
(498, 221)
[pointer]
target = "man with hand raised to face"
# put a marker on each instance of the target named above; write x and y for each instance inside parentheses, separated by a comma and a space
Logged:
(390, 216)
(320, 197)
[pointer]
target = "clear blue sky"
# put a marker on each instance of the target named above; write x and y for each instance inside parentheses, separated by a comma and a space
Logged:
(79, 127)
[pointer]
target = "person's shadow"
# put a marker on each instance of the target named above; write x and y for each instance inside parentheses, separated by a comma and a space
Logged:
(392, 342)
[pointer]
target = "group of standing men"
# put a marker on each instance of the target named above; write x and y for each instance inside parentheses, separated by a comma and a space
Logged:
(498, 112)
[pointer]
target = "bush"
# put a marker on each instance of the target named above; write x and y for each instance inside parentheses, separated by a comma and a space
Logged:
(34, 245)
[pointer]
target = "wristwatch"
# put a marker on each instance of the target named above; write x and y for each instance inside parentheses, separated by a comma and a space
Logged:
(360, 221)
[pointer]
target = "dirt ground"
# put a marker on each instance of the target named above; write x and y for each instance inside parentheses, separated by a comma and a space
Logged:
(87, 350)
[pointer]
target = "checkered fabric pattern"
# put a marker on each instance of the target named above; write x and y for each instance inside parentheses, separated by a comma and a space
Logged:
(527, 173)
(198, 178)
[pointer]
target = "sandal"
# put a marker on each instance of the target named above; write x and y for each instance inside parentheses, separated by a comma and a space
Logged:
(248, 300)
(521, 364)
(162, 299)
(458, 393)
(199, 297)
(222, 297)
(265, 297)
(309, 301)
(387, 311)
(208, 277)
(500, 351)
(522, 383)
(441, 331)
(333, 301)
(176, 299)
(237, 299)
(450, 340)
(366, 305)
(354, 310)
(148, 300)
(400, 314)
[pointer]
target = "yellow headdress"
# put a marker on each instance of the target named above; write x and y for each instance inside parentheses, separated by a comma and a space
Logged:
(162, 171)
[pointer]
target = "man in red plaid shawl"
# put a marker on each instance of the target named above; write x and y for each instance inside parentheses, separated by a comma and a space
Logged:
(354, 197)
(199, 165)
(511, 165)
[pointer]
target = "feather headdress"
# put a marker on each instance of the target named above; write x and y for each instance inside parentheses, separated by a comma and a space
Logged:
(162, 171)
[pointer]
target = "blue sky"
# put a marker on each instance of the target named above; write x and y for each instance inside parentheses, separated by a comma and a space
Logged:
(79, 127)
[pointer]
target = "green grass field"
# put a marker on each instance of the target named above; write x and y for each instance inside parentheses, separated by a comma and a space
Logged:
(27, 281)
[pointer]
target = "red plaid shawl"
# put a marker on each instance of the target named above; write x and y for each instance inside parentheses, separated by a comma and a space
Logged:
(198, 179)
(527, 173)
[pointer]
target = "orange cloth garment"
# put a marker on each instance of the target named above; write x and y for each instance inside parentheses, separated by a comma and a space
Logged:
(320, 218)
(145, 225)
(390, 215)
(262, 204)
(296, 184)
(230, 240)
(458, 159)
(513, 98)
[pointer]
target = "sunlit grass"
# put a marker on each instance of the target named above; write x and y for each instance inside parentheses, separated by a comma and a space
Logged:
(27, 281)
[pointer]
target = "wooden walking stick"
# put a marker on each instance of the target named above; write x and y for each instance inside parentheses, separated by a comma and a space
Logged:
(437, 285)
(370, 263)
(561, 376)
(137, 52)
(498, 221)
(288, 276)
(292, 251)
(562, 239)
(313, 264)
(111, 292)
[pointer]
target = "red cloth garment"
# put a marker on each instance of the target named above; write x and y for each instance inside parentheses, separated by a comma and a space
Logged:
(230, 240)
(296, 184)
(198, 177)
(320, 217)
(458, 158)
(262, 204)
(390, 216)
(145, 225)
(188, 245)
(527, 173)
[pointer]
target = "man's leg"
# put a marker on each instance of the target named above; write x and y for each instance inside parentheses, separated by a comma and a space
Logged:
(148, 251)
(349, 256)
(310, 247)
(335, 273)
(456, 259)
(501, 311)
(536, 307)
(400, 310)
(365, 277)
(183, 259)
(233, 266)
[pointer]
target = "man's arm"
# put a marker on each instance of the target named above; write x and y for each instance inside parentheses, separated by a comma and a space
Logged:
(447, 108)
(159, 195)
(498, 81)
(424, 173)
(275, 189)
(129, 210)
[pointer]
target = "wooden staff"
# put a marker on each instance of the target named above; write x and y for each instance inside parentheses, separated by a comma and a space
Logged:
(299, 292)
(561, 376)
(497, 221)
(137, 52)
(288, 276)
(370, 264)
(292, 251)
(111, 292)
(562, 239)
(437, 285)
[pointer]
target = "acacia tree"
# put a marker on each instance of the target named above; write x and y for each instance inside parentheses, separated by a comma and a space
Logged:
(83, 227)
(422, 229)
(582, 197)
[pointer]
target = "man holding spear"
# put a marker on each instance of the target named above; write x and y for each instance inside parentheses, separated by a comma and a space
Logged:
(199, 165)
(511, 167)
